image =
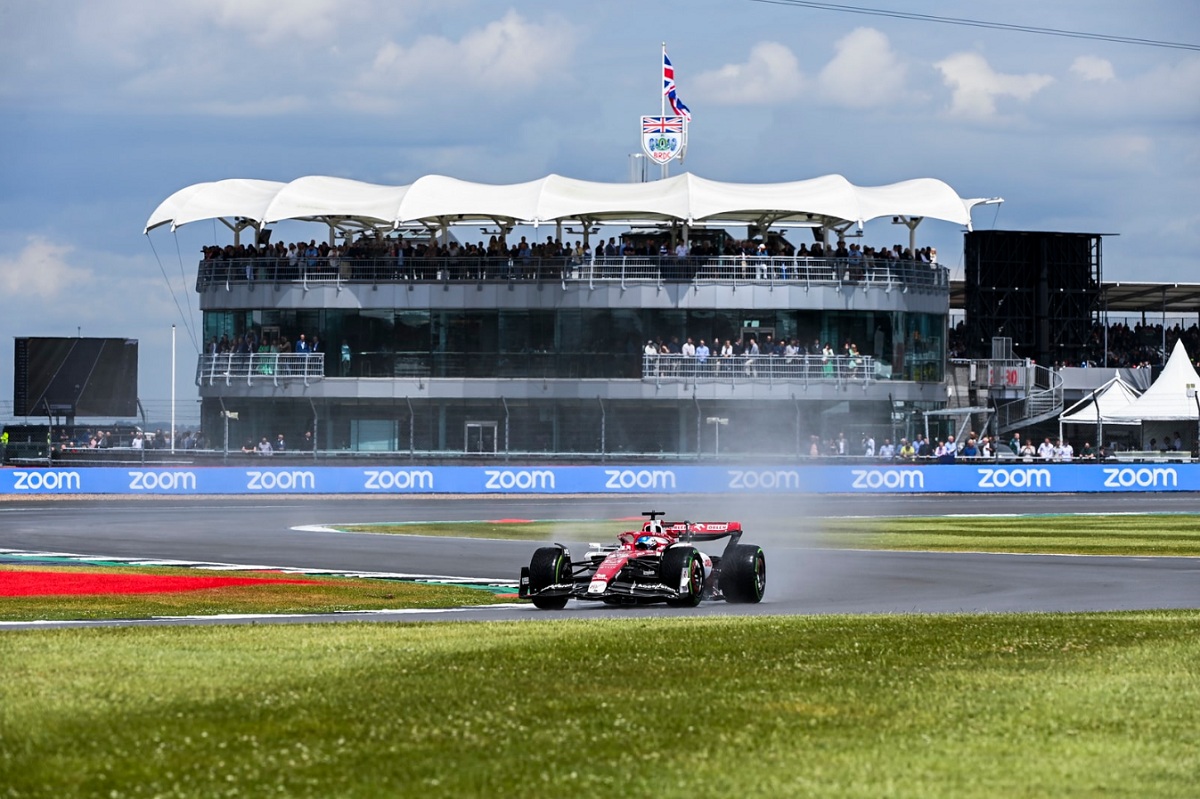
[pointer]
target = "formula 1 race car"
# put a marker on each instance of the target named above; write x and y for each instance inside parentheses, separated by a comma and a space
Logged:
(654, 564)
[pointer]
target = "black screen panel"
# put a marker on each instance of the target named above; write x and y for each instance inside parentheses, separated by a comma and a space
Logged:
(75, 377)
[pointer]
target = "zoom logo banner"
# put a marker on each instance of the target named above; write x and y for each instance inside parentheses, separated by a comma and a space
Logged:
(797, 479)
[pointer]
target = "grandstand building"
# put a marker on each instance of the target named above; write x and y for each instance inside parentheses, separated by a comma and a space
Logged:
(459, 340)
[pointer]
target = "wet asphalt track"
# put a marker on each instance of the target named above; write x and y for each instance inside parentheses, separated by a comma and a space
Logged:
(807, 574)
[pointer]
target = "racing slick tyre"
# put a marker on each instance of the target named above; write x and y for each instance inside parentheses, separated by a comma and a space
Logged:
(550, 566)
(743, 574)
(682, 566)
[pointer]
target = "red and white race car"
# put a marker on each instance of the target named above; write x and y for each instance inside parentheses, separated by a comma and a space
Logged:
(657, 563)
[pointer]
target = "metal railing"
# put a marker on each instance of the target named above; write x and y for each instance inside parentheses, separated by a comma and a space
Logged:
(835, 369)
(736, 269)
(1043, 401)
(260, 367)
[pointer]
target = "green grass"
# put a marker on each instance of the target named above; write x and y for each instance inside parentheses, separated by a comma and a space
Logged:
(574, 530)
(1148, 534)
(1023, 705)
(325, 595)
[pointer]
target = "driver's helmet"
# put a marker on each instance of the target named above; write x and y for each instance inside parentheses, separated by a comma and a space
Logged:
(645, 542)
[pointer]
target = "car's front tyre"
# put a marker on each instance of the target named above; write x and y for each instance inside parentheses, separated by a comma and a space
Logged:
(549, 566)
(683, 567)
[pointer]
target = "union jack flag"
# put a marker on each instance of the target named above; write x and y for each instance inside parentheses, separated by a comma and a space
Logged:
(662, 125)
(669, 90)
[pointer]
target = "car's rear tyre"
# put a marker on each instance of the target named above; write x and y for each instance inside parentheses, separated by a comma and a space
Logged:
(743, 574)
(682, 567)
(549, 566)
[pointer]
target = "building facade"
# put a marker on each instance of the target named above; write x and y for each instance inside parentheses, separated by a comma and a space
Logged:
(548, 357)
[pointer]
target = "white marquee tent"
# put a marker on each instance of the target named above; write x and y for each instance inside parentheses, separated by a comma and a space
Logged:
(1171, 405)
(438, 201)
(1098, 407)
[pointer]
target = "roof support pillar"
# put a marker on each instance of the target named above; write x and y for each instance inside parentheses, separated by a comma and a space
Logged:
(911, 223)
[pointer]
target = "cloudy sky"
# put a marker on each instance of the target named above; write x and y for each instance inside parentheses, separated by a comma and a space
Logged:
(109, 106)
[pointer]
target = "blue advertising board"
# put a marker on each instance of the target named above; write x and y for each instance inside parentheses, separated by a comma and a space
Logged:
(609, 479)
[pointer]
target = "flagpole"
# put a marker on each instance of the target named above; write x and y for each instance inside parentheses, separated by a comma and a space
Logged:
(172, 389)
(662, 59)
(662, 92)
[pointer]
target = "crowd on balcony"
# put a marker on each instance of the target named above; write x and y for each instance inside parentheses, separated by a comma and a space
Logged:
(428, 259)
(972, 447)
(251, 342)
(76, 439)
(750, 357)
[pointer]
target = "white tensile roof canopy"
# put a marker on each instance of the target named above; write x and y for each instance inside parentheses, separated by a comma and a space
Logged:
(436, 201)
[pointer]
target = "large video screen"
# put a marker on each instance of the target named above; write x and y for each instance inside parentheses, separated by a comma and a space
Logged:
(75, 377)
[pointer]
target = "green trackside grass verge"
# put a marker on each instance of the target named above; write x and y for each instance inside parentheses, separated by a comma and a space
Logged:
(322, 595)
(1029, 705)
(1149, 534)
(513, 530)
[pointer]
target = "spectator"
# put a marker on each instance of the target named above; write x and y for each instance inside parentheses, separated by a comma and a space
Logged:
(280, 445)
(702, 354)
(264, 447)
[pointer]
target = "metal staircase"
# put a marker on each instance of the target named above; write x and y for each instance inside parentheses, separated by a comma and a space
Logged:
(977, 389)
(1042, 402)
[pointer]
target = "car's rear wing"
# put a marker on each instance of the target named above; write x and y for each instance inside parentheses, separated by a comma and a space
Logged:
(703, 531)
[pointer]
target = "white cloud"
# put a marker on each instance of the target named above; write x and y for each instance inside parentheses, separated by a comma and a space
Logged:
(1172, 90)
(1092, 91)
(510, 54)
(976, 86)
(269, 22)
(865, 72)
(771, 74)
(1092, 68)
(42, 270)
